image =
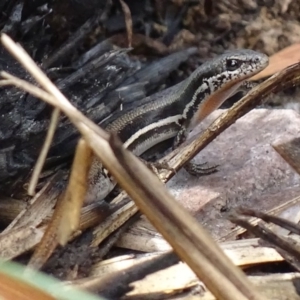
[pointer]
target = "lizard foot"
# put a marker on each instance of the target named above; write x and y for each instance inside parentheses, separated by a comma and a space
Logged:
(200, 169)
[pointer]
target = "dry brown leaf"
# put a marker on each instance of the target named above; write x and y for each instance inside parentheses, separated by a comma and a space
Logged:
(280, 60)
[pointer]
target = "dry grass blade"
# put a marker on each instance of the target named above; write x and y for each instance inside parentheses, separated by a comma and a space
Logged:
(49, 241)
(273, 286)
(254, 221)
(19, 240)
(128, 21)
(22, 233)
(183, 232)
(75, 192)
(22, 239)
(39, 207)
(243, 253)
(287, 224)
(43, 154)
(266, 234)
(65, 219)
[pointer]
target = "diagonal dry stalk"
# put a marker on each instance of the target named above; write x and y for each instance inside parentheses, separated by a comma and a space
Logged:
(183, 232)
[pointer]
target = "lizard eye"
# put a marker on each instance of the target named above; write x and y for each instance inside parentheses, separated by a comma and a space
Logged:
(233, 64)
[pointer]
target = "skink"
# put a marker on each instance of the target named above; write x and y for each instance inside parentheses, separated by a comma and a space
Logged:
(175, 111)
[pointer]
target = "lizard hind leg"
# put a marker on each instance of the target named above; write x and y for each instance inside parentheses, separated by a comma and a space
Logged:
(200, 169)
(155, 167)
(192, 168)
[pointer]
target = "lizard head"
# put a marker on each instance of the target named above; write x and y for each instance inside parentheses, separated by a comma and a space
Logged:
(220, 78)
(237, 65)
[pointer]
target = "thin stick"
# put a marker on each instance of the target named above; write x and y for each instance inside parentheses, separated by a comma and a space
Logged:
(43, 154)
